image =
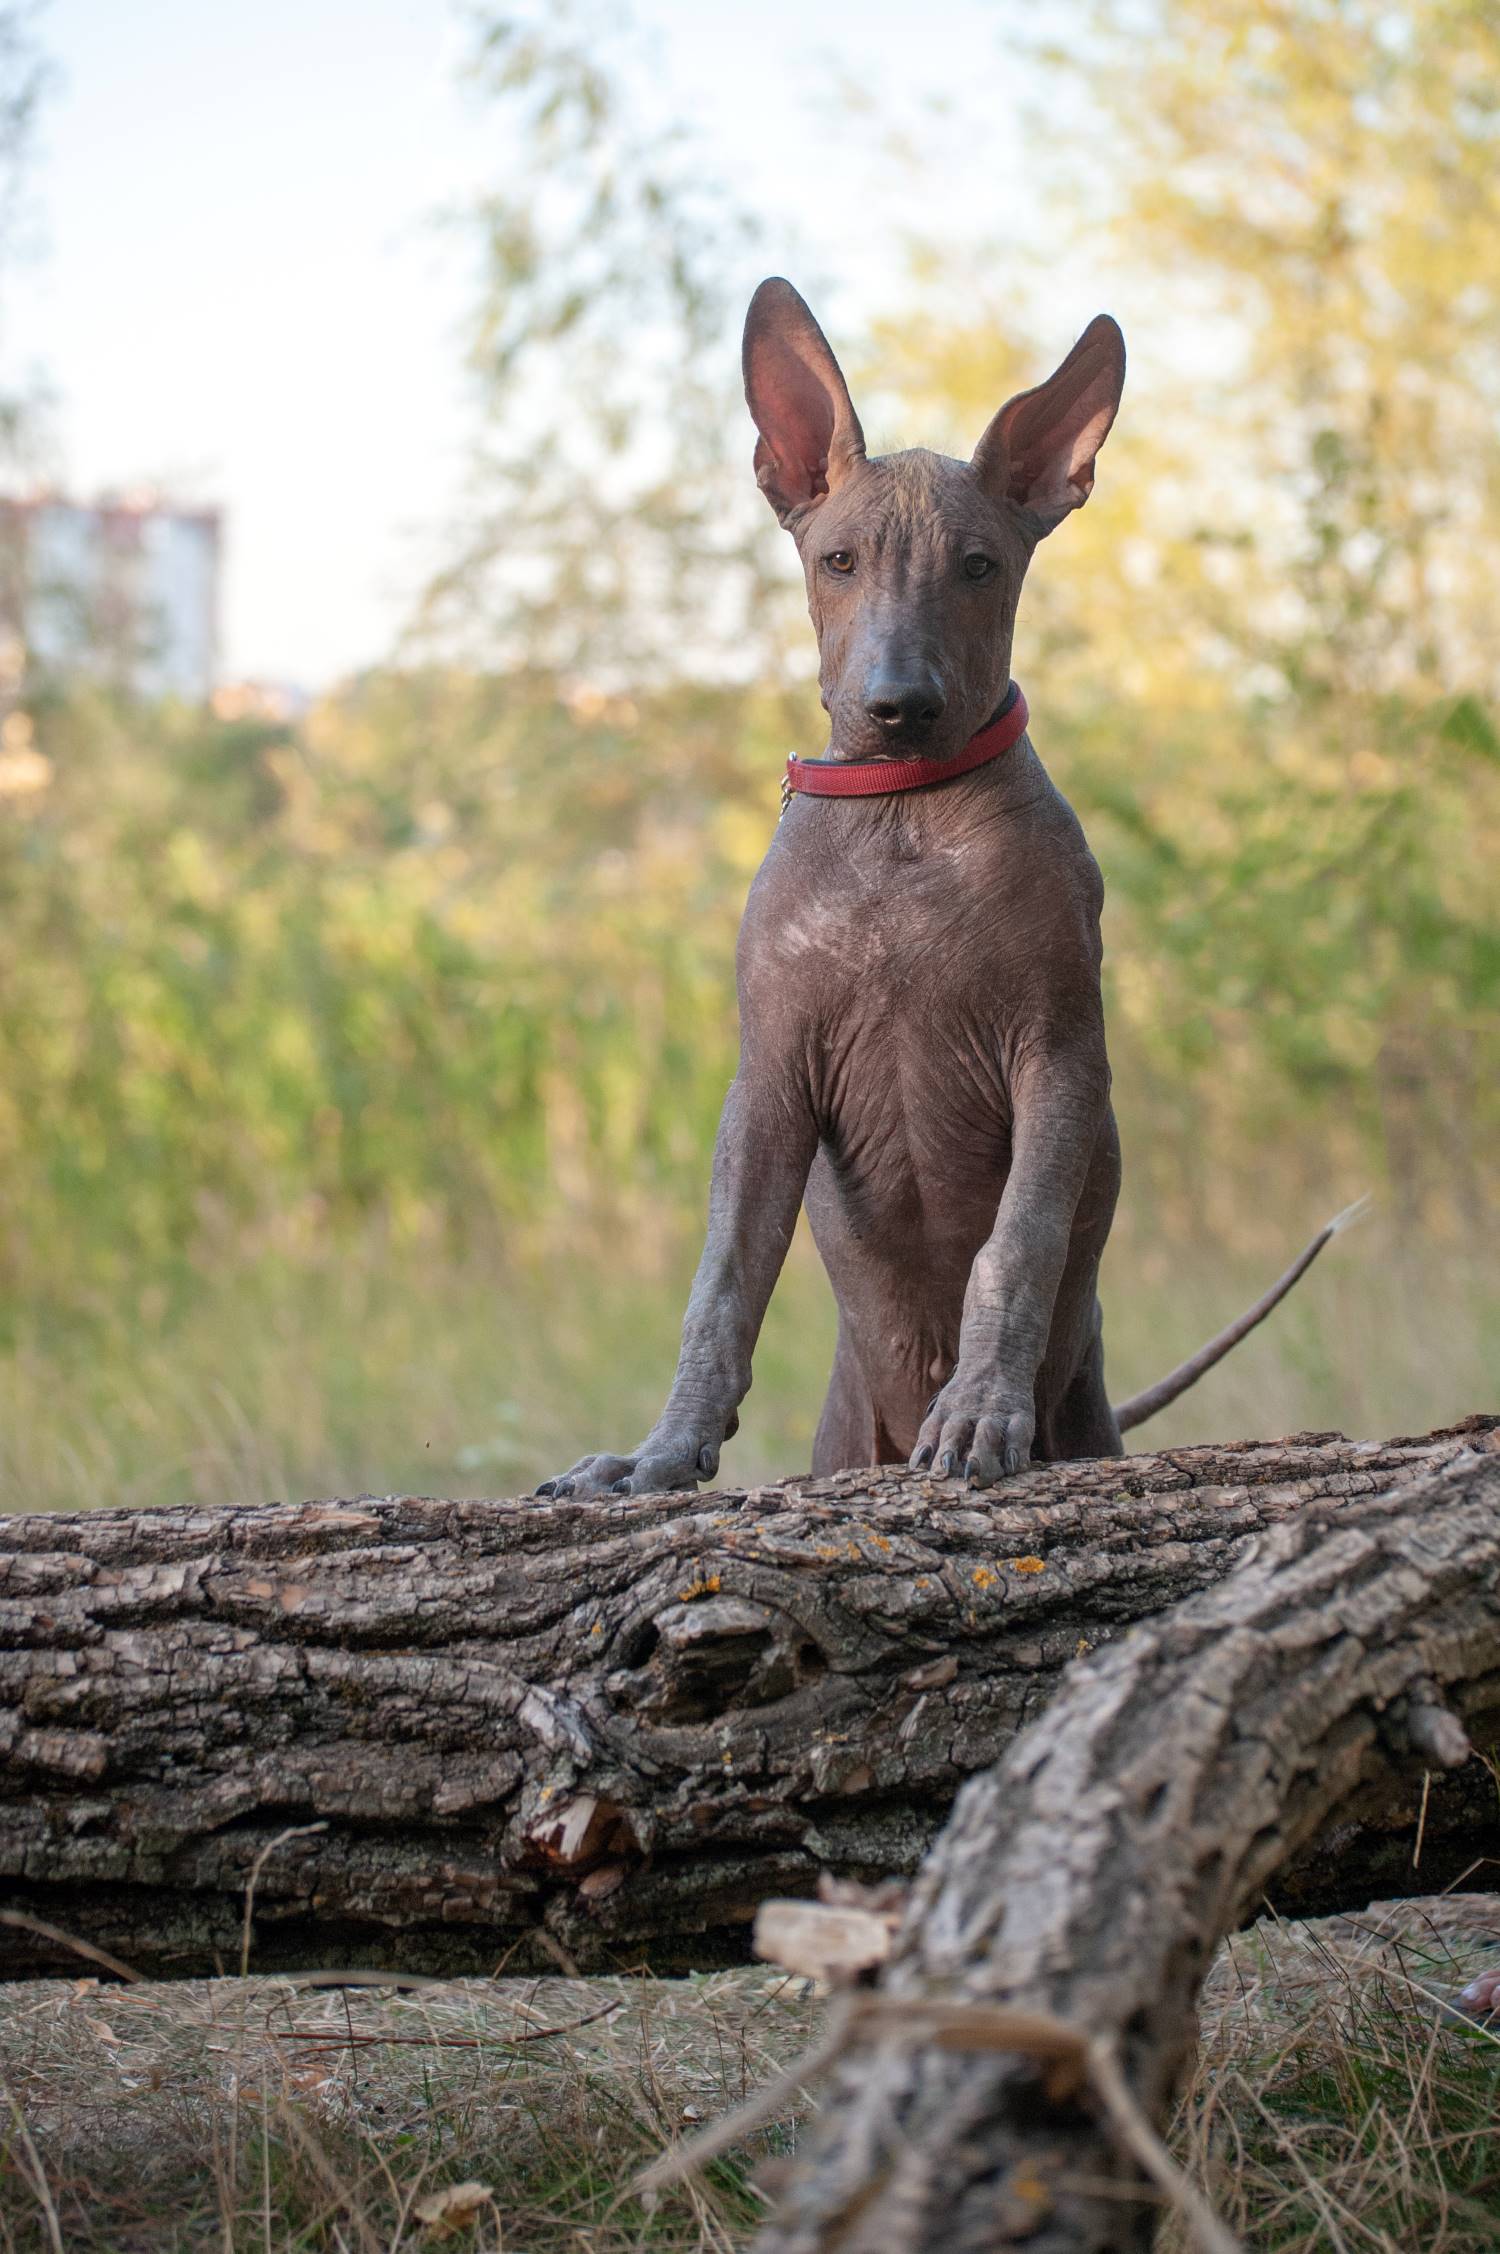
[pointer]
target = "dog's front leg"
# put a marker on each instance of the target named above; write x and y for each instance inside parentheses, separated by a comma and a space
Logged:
(983, 1422)
(767, 1139)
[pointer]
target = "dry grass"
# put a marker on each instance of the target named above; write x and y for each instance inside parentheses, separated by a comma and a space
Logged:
(1332, 2111)
(254, 2115)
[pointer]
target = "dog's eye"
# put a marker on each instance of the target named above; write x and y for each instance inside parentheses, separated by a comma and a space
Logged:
(978, 567)
(840, 560)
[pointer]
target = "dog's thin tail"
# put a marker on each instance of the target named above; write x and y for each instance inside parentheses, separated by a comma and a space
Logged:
(1140, 1406)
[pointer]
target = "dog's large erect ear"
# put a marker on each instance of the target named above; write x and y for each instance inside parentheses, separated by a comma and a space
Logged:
(810, 437)
(1040, 448)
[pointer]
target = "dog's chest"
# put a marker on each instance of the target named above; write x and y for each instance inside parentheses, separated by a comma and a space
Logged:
(907, 989)
(923, 940)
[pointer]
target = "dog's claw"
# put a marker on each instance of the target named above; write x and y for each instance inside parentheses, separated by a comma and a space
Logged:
(666, 1462)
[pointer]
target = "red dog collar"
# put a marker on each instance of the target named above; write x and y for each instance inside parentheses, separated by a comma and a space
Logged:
(873, 778)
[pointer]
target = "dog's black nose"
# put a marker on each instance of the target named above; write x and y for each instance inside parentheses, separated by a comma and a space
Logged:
(905, 704)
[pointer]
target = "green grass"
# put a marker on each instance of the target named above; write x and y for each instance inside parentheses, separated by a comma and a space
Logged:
(1379, 1338)
(372, 1368)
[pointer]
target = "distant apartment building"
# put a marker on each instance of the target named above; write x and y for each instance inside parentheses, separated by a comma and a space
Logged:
(120, 591)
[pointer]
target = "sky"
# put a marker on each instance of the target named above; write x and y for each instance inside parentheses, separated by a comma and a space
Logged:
(239, 289)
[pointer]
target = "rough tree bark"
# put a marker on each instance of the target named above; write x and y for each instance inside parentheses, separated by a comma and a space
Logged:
(611, 1726)
(1089, 1876)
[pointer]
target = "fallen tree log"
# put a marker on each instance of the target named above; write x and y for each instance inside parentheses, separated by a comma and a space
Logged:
(1060, 1930)
(599, 1727)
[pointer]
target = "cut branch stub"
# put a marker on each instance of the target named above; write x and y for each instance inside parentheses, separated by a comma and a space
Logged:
(830, 1941)
(572, 1837)
(1436, 1735)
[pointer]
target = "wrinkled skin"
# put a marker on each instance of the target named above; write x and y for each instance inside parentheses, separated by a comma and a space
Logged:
(922, 1037)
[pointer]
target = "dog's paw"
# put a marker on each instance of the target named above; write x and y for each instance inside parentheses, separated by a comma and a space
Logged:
(591, 1475)
(663, 1464)
(976, 1430)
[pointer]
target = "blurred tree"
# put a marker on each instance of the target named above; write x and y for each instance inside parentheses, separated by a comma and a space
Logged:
(1271, 663)
(23, 79)
(456, 953)
(1326, 175)
(613, 534)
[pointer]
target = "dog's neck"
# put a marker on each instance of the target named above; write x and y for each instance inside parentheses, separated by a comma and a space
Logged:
(878, 777)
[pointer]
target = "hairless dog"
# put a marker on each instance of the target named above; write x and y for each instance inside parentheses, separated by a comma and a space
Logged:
(922, 1057)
